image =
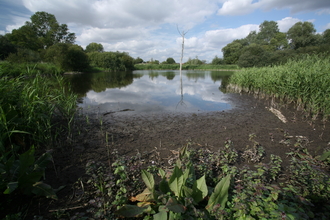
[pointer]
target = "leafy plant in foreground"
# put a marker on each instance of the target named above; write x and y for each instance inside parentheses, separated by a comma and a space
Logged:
(180, 195)
(24, 174)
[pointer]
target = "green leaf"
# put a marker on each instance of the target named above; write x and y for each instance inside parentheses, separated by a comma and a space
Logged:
(220, 194)
(163, 186)
(200, 190)
(161, 173)
(11, 187)
(162, 215)
(176, 181)
(148, 180)
(130, 211)
(43, 189)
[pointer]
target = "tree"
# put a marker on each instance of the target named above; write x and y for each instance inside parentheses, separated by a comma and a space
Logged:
(25, 37)
(138, 60)
(302, 34)
(326, 36)
(267, 31)
(6, 47)
(279, 41)
(253, 55)
(94, 47)
(232, 52)
(170, 60)
(68, 56)
(47, 30)
(217, 61)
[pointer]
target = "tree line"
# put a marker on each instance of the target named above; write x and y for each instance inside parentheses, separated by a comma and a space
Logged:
(269, 46)
(43, 39)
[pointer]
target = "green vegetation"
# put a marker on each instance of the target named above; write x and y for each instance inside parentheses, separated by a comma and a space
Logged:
(271, 47)
(148, 66)
(34, 110)
(305, 82)
(43, 39)
(203, 184)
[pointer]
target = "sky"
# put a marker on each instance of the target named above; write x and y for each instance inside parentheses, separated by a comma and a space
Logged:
(152, 29)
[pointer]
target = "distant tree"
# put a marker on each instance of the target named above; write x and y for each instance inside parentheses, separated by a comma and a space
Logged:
(302, 34)
(6, 47)
(253, 55)
(279, 41)
(41, 32)
(94, 47)
(68, 56)
(25, 37)
(267, 31)
(170, 60)
(326, 36)
(138, 60)
(24, 55)
(195, 61)
(217, 61)
(232, 52)
(250, 39)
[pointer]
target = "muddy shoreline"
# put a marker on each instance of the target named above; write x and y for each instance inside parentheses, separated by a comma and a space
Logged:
(129, 133)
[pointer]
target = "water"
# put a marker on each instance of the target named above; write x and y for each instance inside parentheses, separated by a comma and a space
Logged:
(152, 91)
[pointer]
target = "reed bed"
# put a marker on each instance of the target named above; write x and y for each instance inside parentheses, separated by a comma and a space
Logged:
(305, 82)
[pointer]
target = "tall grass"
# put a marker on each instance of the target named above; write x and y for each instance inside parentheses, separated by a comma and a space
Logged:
(29, 107)
(305, 82)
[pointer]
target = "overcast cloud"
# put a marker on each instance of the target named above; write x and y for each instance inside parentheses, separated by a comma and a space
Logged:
(148, 28)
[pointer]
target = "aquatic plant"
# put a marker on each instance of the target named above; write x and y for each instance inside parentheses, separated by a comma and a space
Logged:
(305, 82)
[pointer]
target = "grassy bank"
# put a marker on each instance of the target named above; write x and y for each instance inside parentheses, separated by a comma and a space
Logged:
(184, 67)
(35, 109)
(305, 82)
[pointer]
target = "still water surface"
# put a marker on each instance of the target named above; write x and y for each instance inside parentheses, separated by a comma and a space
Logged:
(152, 91)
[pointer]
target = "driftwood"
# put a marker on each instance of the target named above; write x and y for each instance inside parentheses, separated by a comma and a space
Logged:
(123, 110)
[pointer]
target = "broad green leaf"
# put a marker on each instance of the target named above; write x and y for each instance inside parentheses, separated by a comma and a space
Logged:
(163, 186)
(130, 211)
(162, 173)
(162, 215)
(176, 181)
(11, 187)
(220, 194)
(173, 205)
(200, 190)
(43, 189)
(148, 179)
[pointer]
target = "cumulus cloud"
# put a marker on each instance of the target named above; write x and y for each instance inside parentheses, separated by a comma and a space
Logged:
(242, 7)
(286, 23)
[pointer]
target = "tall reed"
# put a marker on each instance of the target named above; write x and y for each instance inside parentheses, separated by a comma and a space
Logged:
(305, 82)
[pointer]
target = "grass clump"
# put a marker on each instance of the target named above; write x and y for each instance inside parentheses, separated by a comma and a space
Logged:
(34, 110)
(305, 82)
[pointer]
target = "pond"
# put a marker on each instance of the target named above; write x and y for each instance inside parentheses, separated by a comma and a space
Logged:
(152, 91)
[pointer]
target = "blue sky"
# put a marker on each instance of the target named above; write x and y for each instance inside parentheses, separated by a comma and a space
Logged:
(148, 28)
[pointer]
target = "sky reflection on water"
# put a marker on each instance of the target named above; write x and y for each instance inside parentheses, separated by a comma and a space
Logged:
(153, 91)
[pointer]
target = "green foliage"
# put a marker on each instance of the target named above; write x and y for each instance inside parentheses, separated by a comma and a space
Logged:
(179, 195)
(6, 47)
(94, 47)
(24, 56)
(302, 34)
(24, 174)
(170, 60)
(67, 56)
(111, 61)
(304, 81)
(217, 61)
(270, 47)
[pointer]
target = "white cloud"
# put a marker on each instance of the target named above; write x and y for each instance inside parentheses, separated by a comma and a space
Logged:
(286, 23)
(242, 7)
(237, 7)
